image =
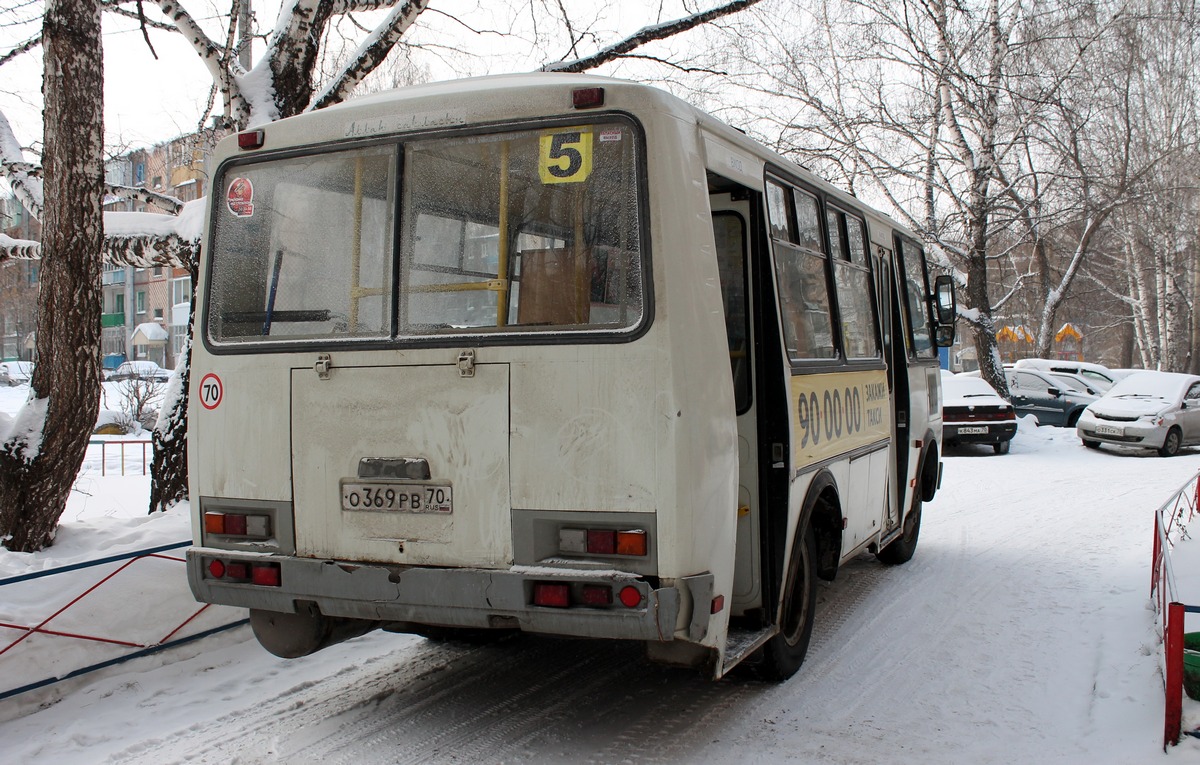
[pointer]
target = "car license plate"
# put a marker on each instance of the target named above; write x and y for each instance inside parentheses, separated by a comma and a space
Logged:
(396, 497)
(1110, 430)
(972, 431)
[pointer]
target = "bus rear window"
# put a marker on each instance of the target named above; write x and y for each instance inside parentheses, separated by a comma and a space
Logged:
(521, 232)
(516, 232)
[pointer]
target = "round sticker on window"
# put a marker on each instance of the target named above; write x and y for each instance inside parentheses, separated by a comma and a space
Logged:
(240, 197)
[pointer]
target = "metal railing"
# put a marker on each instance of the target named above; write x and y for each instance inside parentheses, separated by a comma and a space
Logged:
(171, 631)
(142, 463)
(1172, 517)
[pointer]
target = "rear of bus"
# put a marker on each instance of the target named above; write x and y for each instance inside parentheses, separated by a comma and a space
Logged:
(444, 371)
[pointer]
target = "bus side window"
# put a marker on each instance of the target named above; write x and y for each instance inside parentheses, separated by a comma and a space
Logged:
(800, 269)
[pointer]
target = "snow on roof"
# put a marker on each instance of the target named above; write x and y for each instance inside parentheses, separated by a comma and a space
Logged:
(151, 331)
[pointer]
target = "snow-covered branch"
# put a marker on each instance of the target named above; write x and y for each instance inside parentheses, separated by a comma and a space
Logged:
(169, 203)
(19, 249)
(148, 251)
(223, 67)
(24, 182)
(646, 35)
(370, 54)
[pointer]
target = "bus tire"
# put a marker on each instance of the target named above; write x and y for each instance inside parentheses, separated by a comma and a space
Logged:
(902, 547)
(784, 653)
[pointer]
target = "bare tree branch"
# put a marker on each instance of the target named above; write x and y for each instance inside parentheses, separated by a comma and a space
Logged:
(24, 47)
(646, 35)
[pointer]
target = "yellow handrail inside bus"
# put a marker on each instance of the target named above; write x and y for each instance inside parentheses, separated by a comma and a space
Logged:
(502, 266)
(356, 290)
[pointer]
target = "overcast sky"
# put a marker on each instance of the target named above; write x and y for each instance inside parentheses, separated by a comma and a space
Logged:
(148, 101)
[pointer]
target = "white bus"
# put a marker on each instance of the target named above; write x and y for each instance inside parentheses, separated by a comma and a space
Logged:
(554, 354)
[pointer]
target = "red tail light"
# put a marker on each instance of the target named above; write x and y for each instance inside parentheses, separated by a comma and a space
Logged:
(630, 597)
(597, 595)
(252, 139)
(551, 594)
(266, 574)
(601, 541)
(631, 542)
(238, 525)
(587, 98)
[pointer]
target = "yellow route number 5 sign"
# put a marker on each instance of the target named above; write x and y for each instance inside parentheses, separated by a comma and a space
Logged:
(565, 156)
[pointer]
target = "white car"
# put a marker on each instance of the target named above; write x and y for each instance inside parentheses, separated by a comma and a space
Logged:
(140, 370)
(1097, 375)
(1146, 410)
(13, 373)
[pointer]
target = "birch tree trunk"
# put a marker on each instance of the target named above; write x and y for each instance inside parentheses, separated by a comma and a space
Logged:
(41, 457)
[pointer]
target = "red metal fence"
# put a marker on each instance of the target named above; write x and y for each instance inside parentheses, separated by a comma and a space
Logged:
(1172, 517)
(159, 613)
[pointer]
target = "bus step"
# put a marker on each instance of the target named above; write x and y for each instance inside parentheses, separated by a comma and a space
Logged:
(741, 643)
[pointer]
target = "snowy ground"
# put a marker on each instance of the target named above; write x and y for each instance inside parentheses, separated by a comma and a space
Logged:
(1020, 632)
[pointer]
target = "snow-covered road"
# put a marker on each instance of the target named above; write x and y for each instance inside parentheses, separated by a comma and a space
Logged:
(1020, 633)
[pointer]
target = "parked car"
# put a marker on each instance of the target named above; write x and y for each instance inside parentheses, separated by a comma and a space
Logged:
(1045, 397)
(1077, 383)
(13, 373)
(1098, 375)
(973, 413)
(1146, 410)
(140, 370)
(109, 365)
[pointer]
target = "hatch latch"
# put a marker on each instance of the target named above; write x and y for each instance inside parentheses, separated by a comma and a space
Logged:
(466, 363)
(323, 365)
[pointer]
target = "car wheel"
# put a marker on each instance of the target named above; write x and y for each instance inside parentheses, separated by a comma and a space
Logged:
(1171, 443)
(1091, 444)
(1073, 418)
(1000, 448)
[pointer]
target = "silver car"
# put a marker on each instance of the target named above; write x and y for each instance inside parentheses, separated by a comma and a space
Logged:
(1147, 410)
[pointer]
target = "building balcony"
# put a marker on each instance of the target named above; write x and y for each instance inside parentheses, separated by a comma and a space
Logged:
(112, 319)
(116, 276)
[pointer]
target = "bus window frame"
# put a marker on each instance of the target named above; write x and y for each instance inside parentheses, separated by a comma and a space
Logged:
(846, 214)
(825, 201)
(902, 245)
(566, 336)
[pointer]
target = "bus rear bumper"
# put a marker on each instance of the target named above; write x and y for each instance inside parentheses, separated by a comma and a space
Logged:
(448, 597)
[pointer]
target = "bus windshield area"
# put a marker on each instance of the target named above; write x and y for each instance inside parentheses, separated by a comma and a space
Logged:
(522, 231)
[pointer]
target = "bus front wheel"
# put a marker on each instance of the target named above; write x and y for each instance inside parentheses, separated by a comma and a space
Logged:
(784, 653)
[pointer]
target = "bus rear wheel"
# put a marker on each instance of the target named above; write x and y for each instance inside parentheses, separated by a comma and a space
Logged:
(784, 653)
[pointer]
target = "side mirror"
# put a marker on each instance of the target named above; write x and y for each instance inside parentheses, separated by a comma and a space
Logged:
(1054, 392)
(947, 305)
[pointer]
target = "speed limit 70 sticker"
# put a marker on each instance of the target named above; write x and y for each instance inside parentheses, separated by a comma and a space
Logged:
(211, 391)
